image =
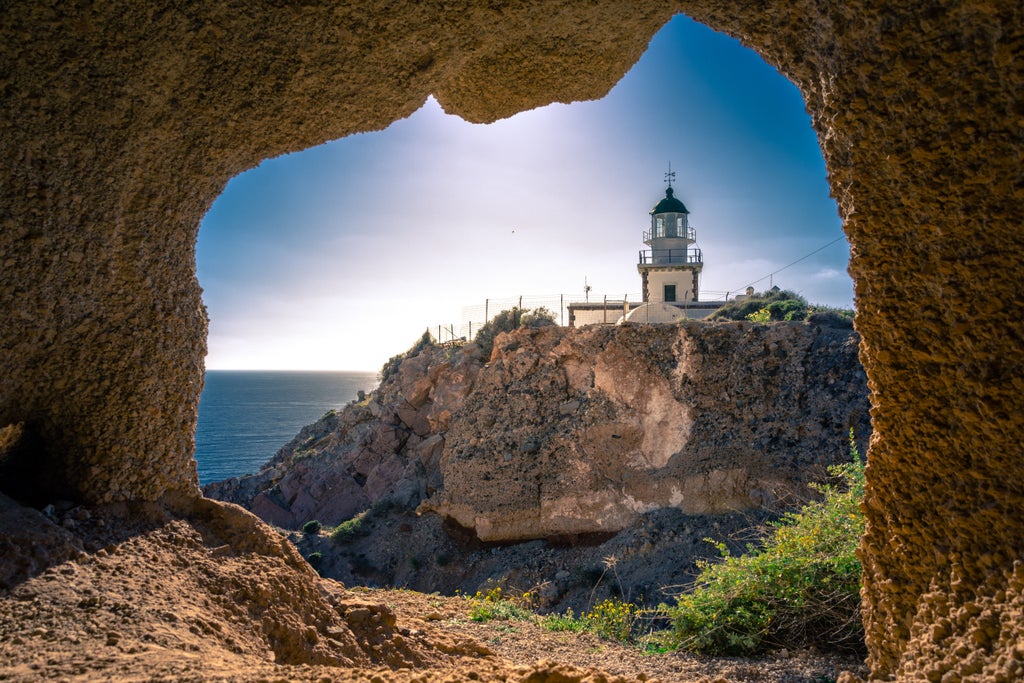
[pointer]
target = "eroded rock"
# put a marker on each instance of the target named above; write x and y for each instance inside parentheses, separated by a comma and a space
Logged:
(704, 418)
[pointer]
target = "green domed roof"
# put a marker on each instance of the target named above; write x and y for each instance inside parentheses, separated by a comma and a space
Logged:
(669, 204)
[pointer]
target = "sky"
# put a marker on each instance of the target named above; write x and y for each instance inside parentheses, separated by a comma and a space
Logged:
(338, 257)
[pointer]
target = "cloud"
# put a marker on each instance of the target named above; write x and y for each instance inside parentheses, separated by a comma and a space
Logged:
(829, 274)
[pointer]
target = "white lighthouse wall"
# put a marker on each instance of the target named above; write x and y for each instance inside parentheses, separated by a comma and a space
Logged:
(682, 279)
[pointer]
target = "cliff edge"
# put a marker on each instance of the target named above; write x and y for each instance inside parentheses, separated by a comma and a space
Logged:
(564, 432)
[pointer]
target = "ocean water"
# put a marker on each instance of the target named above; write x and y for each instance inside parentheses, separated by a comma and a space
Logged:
(246, 416)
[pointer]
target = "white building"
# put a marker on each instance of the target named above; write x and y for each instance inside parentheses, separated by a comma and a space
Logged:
(669, 273)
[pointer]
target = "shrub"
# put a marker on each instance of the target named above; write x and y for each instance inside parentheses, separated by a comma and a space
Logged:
(564, 622)
(508, 320)
(311, 527)
(383, 506)
(494, 604)
(788, 309)
(781, 304)
(761, 316)
(315, 559)
(802, 588)
(832, 317)
(742, 309)
(538, 317)
(612, 619)
(350, 529)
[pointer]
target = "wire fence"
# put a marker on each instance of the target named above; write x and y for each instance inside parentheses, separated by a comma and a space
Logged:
(474, 317)
(606, 308)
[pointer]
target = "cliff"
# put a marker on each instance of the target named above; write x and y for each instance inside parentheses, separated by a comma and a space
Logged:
(566, 433)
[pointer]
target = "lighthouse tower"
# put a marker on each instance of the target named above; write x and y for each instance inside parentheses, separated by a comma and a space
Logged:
(670, 269)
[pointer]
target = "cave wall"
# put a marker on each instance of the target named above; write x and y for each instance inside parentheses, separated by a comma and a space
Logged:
(121, 123)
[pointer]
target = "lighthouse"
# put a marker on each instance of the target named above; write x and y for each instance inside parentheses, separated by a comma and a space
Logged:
(670, 269)
(669, 272)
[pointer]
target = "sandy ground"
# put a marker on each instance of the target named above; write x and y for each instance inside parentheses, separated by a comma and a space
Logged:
(209, 593)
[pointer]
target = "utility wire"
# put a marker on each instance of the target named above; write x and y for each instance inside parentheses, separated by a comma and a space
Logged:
(773, 274)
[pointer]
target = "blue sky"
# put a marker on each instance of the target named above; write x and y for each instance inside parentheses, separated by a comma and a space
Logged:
(338, 257)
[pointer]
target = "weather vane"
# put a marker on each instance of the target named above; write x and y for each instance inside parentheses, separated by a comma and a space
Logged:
(671, 175)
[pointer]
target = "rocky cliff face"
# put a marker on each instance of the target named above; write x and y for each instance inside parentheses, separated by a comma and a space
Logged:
(565, 433)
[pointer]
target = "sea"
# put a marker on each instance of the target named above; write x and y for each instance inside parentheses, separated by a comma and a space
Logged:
(246, 416)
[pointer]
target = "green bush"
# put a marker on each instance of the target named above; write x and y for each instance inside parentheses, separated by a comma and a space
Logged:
(494, 604)
(788, 309)
(802, 588)
(311, 527)
(741, 309)
(538, 317)
(564, 622)
(760, 316)
(350, 529)
(832, 317)
(508, 320)
(611, 619)
(315, 559)
(780, 305)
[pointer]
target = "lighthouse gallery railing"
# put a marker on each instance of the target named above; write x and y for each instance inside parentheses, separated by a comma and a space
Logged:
(664, 257)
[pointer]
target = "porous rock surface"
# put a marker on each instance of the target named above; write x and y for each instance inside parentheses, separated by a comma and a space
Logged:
(575, 431)
(121, 122)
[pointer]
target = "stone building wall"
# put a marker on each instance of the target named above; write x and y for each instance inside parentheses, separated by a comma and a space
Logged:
(121, 122)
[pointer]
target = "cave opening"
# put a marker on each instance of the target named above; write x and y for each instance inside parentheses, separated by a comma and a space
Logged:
(337, 257)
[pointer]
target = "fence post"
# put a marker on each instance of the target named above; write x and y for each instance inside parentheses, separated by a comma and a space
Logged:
(604, 310)
(486, 315)
(561, 309)
(520, 302)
